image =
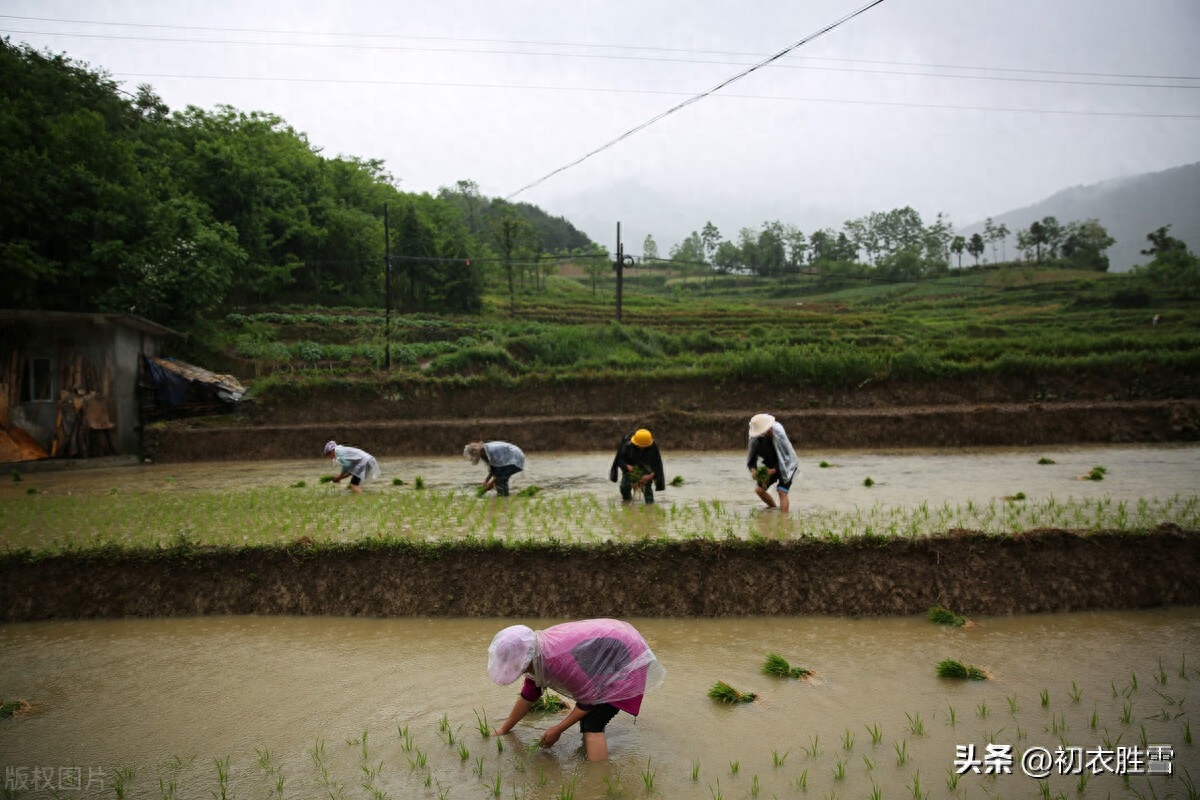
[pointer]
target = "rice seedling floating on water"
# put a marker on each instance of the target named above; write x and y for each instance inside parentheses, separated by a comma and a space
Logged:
(13, 708)
(777, 665)
(944, 616)
(1097, 474)
(868, 482)
(724, 693)
(549, 702)
(1043, 460)
(950, 668)
(529, 491)
(677, 480)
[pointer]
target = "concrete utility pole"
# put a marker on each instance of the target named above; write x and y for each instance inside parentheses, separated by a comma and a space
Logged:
(619, 266)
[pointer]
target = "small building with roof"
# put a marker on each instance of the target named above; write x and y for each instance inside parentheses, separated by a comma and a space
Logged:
(71, 383)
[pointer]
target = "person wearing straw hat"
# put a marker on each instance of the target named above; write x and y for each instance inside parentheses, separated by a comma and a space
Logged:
(638, 455)
(604, 665)
(503, 461)
(770, 443)
(357, 465)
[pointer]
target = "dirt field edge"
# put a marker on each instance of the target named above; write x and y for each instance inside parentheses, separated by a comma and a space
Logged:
(970, 573)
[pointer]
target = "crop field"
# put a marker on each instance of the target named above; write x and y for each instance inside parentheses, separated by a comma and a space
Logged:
(44, 524)
(1000, 321)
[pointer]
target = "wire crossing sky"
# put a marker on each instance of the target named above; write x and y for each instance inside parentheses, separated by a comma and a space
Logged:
(967, 109)
(700, 96)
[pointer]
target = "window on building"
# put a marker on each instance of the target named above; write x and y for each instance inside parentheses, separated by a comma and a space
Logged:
(35, 385)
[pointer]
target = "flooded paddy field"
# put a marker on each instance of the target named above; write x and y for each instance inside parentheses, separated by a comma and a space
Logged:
(898, 478)
(300, 707)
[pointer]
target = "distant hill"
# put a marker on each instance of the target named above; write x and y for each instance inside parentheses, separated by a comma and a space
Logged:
(1128, 208)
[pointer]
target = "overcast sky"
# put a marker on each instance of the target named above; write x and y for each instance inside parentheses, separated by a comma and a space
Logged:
(968, 107)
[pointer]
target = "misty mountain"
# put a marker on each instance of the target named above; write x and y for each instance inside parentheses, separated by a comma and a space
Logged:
(1128, 208)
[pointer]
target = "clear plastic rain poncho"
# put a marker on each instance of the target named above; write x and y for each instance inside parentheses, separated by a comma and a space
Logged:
(591, 661)
(358, 463)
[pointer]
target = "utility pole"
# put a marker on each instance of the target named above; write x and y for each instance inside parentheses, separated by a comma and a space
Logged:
(619, 266)
(387, 291)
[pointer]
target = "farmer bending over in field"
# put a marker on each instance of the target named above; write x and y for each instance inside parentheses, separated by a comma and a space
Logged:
(769, 442)
(638, 462)
(603, 664)
(357, 465)
(503, 461)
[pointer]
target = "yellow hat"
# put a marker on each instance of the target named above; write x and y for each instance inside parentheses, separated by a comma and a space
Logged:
(642, 438)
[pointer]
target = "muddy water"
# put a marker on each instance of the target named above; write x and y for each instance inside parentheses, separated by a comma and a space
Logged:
(296, 697)
(903, 478)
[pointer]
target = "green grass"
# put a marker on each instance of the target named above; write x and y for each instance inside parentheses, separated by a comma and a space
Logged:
(1009, 321)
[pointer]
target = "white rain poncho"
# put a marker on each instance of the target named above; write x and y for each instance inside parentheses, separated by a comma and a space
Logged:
(591, 661)
(358, 463)
(503, 454)
(789, 463)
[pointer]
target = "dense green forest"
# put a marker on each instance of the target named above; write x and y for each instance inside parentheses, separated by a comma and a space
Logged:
(111, 201)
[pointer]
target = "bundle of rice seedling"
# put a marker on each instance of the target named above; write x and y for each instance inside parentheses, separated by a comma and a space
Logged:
(529, 491)
(14, 708)
(549, 702)
(949, 668)
(944, 616)
(762, 475)
(635, 476)
(724, 693)
(326, 479)
(777, 665)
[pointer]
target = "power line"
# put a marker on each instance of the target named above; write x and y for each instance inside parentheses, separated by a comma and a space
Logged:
(702, 95)
(546, 88)
(542, 43)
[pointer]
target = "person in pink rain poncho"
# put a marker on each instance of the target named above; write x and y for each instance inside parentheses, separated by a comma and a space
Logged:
(604, 665)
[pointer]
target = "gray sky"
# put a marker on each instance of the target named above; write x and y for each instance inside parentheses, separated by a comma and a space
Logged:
(968, 107)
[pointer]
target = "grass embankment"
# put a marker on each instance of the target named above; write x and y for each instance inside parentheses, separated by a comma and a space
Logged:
(1007, 322)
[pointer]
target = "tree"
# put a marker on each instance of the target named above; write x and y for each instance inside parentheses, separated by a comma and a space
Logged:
(710, 237)
(728, 257)
(957, 245)
(975, 247)
(649, 250)
(690, 250)
(1037, 238)
(770, 250)
(937, 239)
(1053, 233)
(1173, 267)
(989, 235)
(596, 263)
(796, 246)
(1084, 245)
(509, 232)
